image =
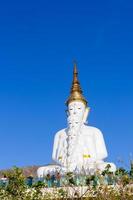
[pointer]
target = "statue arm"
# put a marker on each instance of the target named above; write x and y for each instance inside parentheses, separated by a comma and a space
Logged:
(101, 150)
(55, 147)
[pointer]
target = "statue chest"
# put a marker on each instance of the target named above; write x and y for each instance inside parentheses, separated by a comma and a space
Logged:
(83, 143)
(78, 149)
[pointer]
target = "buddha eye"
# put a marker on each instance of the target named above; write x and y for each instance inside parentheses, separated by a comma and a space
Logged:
(71, 109)
(79, 108)
(76, 122)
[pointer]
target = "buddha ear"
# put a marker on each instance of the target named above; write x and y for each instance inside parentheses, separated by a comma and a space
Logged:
(86, 113)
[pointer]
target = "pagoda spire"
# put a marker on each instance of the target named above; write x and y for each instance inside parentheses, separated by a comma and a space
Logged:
(76, 91)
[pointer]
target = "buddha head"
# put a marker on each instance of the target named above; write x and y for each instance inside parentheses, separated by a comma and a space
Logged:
(77, 105)
(77, 114)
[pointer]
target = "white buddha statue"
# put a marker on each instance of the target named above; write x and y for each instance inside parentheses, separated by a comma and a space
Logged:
(79, 148)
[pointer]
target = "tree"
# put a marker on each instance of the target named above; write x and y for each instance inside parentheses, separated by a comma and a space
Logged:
(16, 185)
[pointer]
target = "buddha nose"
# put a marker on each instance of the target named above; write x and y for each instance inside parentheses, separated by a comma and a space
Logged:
(74, 111)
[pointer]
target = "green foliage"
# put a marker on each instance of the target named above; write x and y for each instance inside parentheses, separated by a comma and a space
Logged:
(121, 172)
(70, 178)
(16, 189)
(39, 185)
(62, 193)
(16, 185)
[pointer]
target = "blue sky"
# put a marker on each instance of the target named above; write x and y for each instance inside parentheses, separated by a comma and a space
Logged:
(38, 42)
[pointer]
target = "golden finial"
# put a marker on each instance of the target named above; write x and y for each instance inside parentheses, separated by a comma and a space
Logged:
(76, 92)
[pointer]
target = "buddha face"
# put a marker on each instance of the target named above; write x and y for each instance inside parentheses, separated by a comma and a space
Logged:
(76, 111)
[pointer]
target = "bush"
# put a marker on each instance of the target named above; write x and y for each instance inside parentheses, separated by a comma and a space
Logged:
(16, 189)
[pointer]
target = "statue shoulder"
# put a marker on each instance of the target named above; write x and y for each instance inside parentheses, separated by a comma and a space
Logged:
(93, 129)
(60, 133)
